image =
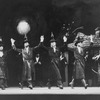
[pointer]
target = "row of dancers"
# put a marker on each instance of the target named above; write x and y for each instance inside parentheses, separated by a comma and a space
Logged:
(55, 54)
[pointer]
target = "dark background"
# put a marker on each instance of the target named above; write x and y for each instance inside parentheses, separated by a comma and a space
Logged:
(46, 16)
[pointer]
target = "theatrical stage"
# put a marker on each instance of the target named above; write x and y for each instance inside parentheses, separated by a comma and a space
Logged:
(52, 91)
(38, 93)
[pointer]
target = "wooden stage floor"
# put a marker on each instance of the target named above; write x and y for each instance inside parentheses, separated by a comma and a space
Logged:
(52, 91)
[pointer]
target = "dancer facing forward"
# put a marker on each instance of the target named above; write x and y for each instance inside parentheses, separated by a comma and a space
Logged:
(27, 56)
(54, 54)
(79, 64)
(3, 81)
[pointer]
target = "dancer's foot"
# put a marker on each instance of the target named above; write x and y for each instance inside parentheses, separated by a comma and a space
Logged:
(21, 85)
(86, 86)
(84, 83)
(2, 87)
(49, 85)
(71, 84)
(6, 86)
(30, 86)
(60, 86)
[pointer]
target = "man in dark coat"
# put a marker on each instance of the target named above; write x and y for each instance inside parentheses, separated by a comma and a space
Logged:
(54, 53)
(96, 57)
(2, 67)
(41, 59)
(79, 64)
(64, 60)
(27, 56)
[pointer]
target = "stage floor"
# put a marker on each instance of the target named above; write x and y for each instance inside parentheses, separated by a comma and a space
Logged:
(52, 91)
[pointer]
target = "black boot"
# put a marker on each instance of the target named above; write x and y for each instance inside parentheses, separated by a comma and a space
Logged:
(2, 87)
(30, 85)
(21, 85)
(72, 83)
(33, 83)
(86, 86)
(84, 83)
(49, 84)
(5, 84)
(2, 84)
(59, 84)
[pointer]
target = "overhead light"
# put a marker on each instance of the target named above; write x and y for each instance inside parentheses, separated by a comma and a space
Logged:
(23, 27)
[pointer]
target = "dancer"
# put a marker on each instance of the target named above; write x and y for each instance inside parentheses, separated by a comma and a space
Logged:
(54, 54)
(27, 56)
(79, 64)
(39, 69)
(96, 57)
(40, 59)
(3, 81)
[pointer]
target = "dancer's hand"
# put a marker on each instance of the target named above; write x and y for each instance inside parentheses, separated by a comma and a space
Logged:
(12, 41)
(64, 38)
(61, 57)
(42, 38)
(96, 57)
(14, 47)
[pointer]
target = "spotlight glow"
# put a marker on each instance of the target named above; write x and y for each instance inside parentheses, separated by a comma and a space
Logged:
(23, 27)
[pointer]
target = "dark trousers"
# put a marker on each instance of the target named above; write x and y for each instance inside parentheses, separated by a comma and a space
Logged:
(57, 72)
(27, 70)
(2, 82)
(39, 72)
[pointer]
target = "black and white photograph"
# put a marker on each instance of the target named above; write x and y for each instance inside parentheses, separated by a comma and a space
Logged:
(50, 49)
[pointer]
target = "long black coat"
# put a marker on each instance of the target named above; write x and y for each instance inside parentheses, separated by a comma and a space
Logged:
(2, 67)
(79, 63)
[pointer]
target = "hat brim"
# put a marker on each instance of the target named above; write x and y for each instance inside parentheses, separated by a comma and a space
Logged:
(52, 41)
